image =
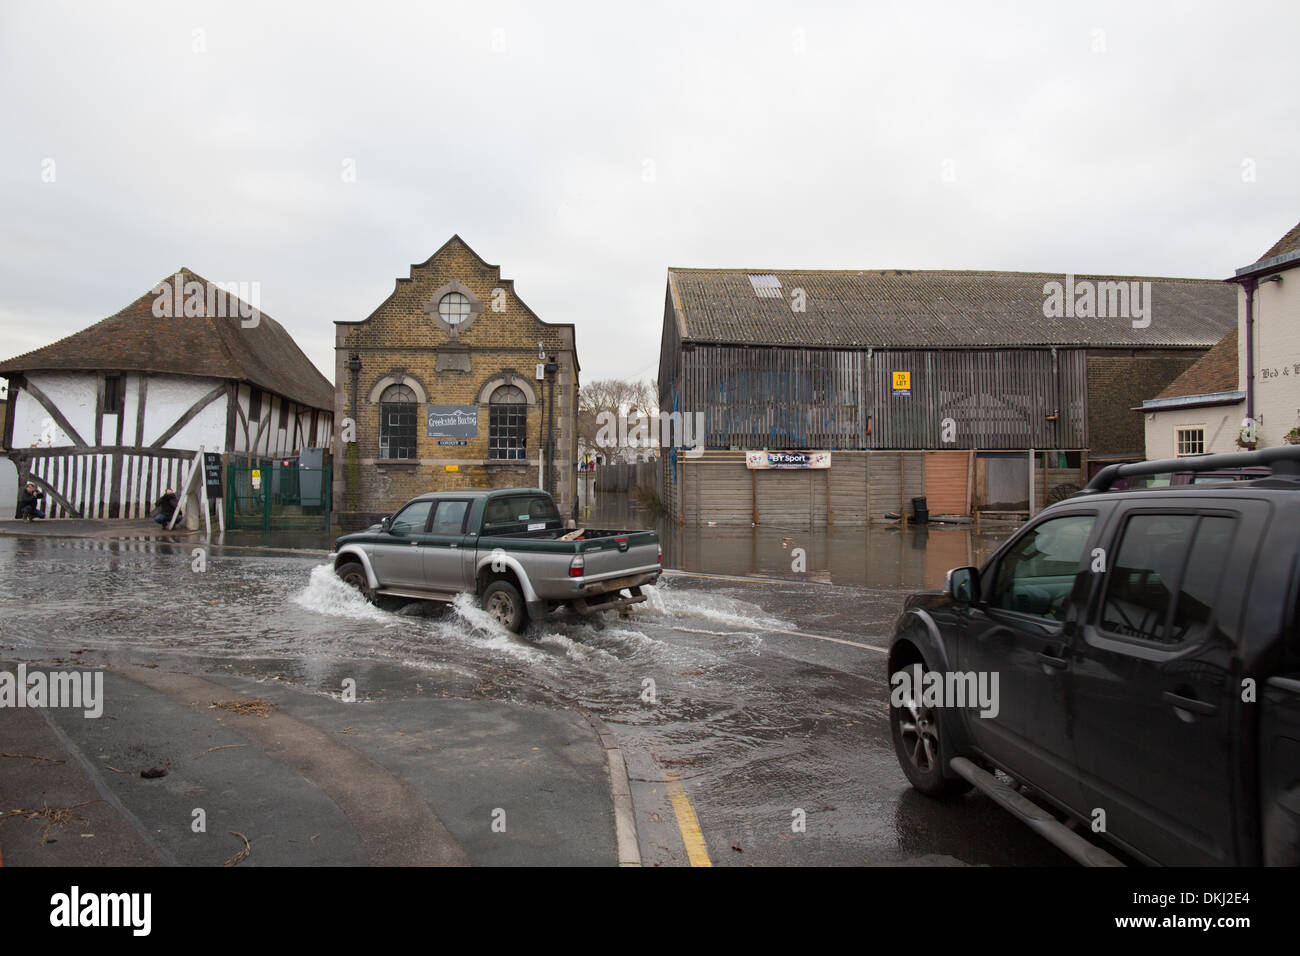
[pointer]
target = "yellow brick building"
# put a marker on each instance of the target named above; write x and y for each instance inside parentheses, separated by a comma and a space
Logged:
(440, 386)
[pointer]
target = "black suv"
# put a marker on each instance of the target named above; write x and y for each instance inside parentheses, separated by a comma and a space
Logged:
(1143, 648)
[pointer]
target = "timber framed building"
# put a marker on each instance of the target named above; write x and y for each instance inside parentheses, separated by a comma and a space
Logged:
(107, 418)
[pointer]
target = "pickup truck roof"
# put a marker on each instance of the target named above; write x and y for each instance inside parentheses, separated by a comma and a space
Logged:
(478, 493)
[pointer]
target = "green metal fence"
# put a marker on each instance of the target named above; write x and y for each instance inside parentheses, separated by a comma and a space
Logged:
(272, 495)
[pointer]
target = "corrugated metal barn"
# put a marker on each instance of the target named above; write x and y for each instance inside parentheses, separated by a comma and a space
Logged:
(931, 383)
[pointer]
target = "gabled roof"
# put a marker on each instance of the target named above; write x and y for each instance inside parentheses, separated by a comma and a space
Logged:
(1283, 254)
(1288, 243)
(213, 346)
(1213, 373)
(932, 310)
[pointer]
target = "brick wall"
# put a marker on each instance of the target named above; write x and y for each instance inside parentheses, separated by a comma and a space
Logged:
(401, 341)
(1119, 380)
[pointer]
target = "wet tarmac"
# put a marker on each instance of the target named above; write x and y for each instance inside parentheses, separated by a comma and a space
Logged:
(765, 696)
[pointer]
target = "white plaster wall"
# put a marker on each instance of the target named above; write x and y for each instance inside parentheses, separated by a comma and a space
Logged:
(167, 399)
(1222, 424)
(130, 408)
(72, 393)
(1277, 352)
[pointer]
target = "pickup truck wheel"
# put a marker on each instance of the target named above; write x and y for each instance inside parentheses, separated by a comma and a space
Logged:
(502, 600)
(917, 731)
(353, 575)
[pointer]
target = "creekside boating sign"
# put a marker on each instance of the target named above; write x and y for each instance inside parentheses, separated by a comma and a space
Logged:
(787, 459)
(453, 421)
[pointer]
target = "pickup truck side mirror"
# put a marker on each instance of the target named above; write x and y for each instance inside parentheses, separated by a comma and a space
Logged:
(386, 524)
(962, 585)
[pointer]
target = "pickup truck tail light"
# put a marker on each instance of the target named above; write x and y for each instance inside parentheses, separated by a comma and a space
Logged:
(578, 566)
(659, 558)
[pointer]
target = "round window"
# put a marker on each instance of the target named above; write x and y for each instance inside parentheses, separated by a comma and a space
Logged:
(454, 308)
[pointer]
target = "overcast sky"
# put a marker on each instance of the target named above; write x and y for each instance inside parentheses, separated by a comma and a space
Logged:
(587, 148)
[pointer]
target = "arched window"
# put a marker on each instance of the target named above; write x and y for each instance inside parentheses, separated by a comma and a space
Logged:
(507, 424)
(397, 409)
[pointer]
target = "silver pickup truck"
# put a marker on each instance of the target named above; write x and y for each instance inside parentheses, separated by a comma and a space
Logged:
(508, 546)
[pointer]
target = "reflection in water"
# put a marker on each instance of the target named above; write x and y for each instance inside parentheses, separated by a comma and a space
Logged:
(879, 556)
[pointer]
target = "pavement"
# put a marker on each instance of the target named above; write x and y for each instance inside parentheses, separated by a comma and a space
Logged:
(213, 769)
(94, 528)
(148, 529)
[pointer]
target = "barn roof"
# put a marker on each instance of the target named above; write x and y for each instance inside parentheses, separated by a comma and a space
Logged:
(932, 310)
(135, 339)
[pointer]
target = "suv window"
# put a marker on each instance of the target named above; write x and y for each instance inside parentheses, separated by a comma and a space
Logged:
(450, 517)
(411, 519)
(1037, 575)
(1165, 576)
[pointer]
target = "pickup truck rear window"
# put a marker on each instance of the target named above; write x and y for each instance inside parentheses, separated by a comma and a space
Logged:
(510, 512)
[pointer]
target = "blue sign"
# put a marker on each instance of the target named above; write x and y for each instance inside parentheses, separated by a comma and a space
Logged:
(453, 421)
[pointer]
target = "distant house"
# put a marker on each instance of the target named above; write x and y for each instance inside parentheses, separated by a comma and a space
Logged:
(107, 418)
(1252, 375)
(936, 384)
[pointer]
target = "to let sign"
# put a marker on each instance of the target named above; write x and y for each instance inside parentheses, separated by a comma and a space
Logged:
(212, 473)
(453, 421)
(902, 383)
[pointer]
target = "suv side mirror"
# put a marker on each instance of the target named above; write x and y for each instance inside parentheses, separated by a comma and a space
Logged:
(963, 585)
(386, 524)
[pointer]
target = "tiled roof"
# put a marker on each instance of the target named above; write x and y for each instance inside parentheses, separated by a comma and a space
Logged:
(934, 309)
(1288, 243)
(135, 339)
(1213, 372)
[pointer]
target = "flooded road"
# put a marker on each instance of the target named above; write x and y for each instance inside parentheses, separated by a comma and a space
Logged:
(766, 698)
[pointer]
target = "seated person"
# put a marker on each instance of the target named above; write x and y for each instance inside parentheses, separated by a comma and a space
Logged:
(29, 502)
(167, 506)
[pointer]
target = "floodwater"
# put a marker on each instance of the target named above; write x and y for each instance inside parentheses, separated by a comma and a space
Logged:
(763, 696)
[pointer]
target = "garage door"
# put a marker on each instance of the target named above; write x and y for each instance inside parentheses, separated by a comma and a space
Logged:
(945, 482)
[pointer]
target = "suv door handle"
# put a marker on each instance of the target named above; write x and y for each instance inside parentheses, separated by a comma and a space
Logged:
(1060, 663)
(1189, 703)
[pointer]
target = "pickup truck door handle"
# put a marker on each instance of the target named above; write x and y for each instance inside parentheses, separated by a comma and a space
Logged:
(1048, 660)
(1189, 703)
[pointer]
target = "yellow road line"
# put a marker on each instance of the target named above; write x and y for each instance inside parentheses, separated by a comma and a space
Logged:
(687, 823)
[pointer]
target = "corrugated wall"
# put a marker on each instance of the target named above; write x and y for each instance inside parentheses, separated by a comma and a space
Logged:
(821, 398)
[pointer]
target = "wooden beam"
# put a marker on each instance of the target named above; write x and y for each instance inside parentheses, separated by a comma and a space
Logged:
(99, 408)
(121, 409)
(67, 450)
(189, 415)
(50, 492)
(232, 414)
(50, 407)
(139, 408)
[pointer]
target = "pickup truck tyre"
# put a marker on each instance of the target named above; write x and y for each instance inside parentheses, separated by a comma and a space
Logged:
(502, 600)
(918, 731)
(353, 575)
